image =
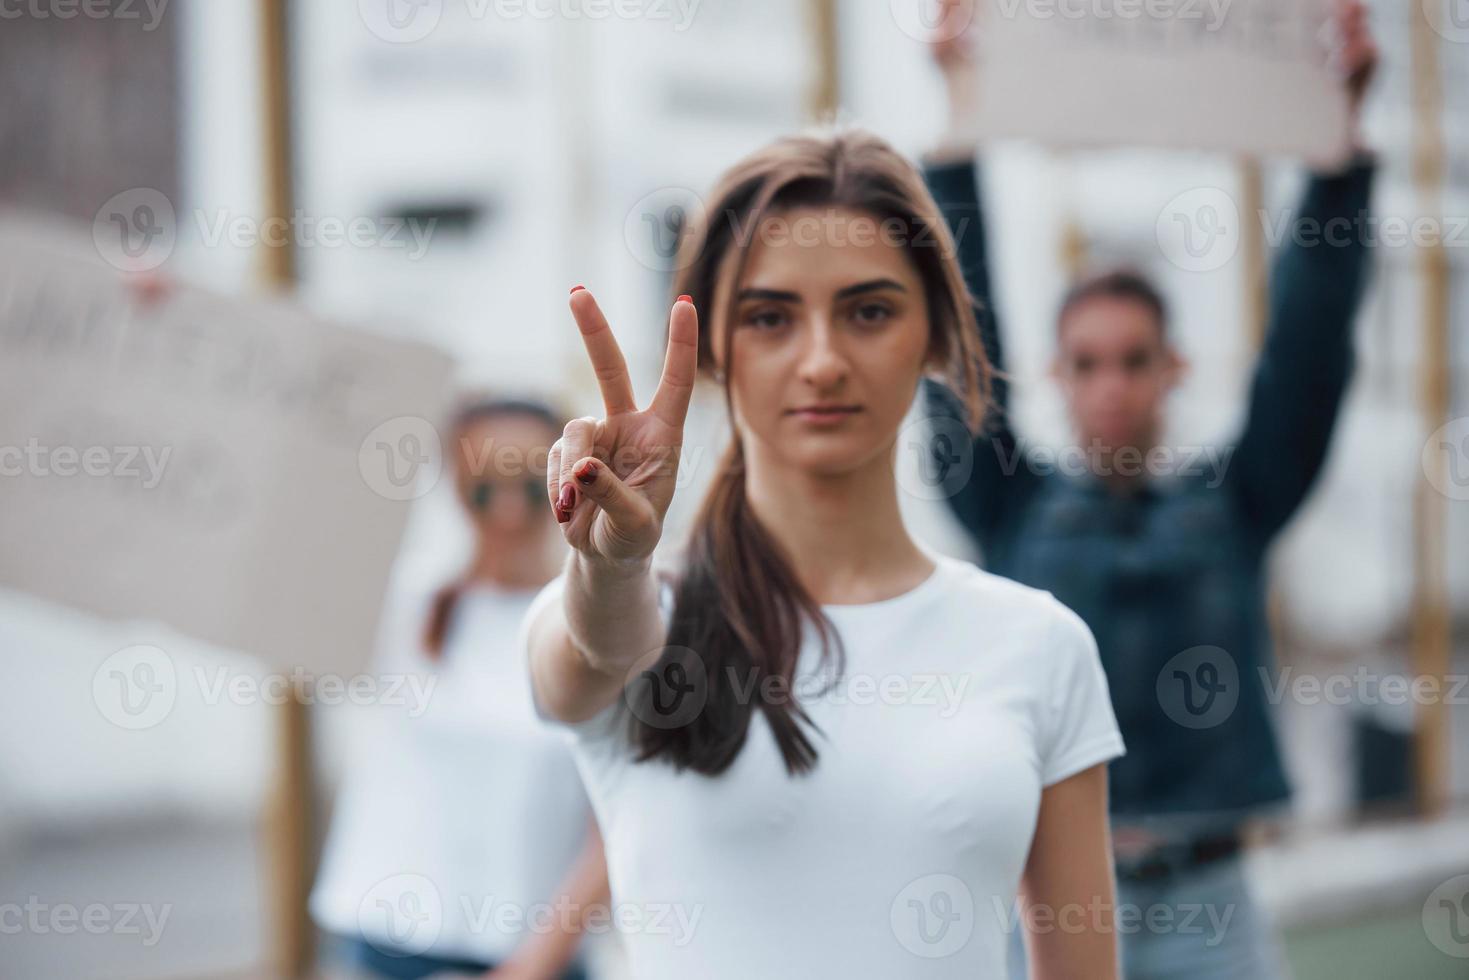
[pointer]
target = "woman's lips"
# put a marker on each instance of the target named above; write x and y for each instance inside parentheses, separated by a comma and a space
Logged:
(826, 415)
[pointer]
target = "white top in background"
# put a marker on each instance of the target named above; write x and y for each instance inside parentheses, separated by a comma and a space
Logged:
(462, 812)
(901, 853)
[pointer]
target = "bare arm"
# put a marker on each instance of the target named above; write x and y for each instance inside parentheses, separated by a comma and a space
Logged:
(546, 955)
(610, 482)
(1068, 883)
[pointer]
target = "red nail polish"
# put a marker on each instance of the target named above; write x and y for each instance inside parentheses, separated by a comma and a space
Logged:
(586, 474)
(686, 298)
(575, 288)
(561, 516)
(567, 500)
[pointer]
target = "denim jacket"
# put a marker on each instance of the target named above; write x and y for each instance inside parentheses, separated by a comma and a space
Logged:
(1170, 577)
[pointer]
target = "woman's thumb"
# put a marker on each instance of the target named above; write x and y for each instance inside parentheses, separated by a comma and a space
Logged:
(598, 483)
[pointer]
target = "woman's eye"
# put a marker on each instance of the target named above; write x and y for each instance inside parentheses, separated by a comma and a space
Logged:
(872, 313)
(765, 319)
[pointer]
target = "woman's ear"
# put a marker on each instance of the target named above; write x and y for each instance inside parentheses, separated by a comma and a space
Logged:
(1178, 367)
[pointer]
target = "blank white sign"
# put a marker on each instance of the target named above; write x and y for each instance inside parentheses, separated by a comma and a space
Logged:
(208, 462)
(1244, 76)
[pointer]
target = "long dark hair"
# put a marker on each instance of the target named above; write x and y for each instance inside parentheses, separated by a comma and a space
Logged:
(475, 410)
(739, 607)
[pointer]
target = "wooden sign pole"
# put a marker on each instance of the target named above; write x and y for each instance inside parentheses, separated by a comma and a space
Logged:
(290, 841)
(1430, 638)
(825, 94)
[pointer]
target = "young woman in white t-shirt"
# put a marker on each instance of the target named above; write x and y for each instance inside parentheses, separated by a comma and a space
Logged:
(816, 748)
(461, 840)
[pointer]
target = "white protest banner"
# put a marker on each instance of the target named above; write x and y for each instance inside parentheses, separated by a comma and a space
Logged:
(1241, 76)
(232, 466)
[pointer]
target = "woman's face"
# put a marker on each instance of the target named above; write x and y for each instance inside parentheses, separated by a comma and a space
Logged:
(830, 337)
(500, 472)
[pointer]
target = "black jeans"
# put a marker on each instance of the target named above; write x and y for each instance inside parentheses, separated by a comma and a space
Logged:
(358, 954)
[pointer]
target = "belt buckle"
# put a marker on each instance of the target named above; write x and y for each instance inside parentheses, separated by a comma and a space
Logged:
(1158, 864)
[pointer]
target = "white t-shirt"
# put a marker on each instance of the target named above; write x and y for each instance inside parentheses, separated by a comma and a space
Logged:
(900, 854)
(462, 810)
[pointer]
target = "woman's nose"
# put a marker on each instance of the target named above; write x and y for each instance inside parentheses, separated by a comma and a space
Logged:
(823, 363)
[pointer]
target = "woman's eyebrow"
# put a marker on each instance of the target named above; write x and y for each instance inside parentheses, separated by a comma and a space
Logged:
(869, 287)
(775, 295)
(785, 296)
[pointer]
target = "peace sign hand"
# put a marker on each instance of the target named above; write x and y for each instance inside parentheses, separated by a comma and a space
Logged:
(610, 480)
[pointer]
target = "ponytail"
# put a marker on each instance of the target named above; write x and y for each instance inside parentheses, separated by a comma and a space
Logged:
(440, 615)
(738, 608)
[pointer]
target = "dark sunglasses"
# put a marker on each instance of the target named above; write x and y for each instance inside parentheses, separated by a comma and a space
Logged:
(484, 491)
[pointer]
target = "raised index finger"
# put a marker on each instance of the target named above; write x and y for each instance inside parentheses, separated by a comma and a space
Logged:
(607, 361)
(680, 363)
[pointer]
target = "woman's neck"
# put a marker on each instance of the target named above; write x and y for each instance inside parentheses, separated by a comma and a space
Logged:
(521, 566)
(844, 533)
